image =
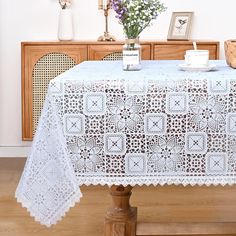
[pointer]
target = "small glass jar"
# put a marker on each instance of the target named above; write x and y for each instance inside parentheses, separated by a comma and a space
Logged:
(132, 55)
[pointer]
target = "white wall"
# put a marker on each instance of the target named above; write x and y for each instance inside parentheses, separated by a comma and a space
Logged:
(29, 20)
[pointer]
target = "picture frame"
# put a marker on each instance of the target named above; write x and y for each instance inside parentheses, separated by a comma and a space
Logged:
(180, 26)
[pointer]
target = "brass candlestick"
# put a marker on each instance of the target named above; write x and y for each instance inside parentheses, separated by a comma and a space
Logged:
(105, 6)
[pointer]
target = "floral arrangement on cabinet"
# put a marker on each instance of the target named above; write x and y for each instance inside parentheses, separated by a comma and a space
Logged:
(65, 3)
(136, 15)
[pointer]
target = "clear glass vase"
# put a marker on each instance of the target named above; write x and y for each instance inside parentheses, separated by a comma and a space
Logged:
(132, 55)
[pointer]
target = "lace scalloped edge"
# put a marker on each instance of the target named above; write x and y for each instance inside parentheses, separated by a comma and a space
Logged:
(140, 181)
(48, 223)
(192, 181)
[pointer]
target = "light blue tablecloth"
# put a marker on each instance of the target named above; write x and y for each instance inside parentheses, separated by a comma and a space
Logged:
(103, 125)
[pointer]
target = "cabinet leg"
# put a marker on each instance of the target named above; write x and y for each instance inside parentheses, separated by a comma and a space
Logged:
(121, 218)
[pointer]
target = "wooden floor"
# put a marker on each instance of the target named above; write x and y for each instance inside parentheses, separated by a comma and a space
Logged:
(155, 204)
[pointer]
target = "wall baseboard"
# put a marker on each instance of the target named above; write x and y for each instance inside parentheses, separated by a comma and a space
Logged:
(12, 151)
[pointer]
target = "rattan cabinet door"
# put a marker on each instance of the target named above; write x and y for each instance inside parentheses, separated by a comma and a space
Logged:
(40, 64)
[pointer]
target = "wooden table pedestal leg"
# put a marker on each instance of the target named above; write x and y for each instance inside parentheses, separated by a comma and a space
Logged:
(121, 218)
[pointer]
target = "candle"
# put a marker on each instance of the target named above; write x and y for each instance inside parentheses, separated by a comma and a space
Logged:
(104, 4)
(195, 45)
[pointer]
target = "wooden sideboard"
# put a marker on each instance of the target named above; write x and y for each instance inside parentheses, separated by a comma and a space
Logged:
(42, 61)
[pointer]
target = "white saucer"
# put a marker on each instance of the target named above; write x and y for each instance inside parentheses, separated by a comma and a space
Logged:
(186, 67)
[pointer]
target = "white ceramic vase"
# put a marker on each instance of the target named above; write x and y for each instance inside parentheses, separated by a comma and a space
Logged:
(65, 25)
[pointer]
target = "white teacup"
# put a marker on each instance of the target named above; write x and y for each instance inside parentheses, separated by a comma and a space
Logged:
(197, 57)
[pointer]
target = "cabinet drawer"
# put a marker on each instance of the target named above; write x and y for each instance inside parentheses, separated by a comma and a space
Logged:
(176, 52)
(99, 52)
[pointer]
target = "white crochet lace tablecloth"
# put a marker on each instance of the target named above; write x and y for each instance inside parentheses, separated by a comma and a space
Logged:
(102, 125)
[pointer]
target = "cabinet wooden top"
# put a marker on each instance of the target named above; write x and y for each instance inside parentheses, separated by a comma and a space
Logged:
(165, 42)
